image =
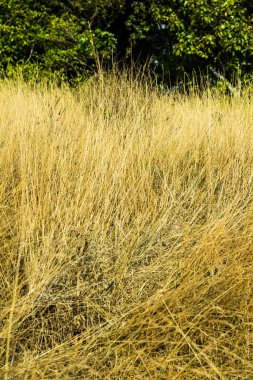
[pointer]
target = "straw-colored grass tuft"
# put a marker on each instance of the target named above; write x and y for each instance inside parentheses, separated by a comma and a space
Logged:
(126, 233)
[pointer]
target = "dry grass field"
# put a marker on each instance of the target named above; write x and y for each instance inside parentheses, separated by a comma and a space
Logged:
(126, 233)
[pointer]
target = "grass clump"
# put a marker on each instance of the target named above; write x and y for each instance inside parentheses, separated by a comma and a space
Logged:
(126, 221)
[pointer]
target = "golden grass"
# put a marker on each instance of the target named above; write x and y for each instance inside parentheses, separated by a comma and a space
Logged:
(126, 227)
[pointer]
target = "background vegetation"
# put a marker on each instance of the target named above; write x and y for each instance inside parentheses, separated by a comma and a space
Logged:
(63, 38)
(126, 223)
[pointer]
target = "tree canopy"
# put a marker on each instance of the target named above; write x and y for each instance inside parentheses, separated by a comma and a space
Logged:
(65, 37)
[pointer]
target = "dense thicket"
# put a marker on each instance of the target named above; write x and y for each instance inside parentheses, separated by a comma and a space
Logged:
(64, 37)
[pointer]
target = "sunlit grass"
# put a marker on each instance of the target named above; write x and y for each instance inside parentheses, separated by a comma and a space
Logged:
(126, 229)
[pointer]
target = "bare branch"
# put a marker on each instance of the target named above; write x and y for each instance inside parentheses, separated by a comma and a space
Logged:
(235, 91)
(31, 53)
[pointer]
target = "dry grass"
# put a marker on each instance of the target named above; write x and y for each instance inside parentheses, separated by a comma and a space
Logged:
(126, 226)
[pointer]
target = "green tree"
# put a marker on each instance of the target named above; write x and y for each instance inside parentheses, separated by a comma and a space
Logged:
(55, 37)
(194, 34)
(66, 37)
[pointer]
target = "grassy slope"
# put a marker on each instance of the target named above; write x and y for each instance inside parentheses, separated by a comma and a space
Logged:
(126, 234)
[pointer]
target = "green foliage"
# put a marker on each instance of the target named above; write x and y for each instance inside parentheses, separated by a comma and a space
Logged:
(66, 37)
(196, 33)
(51, 38)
